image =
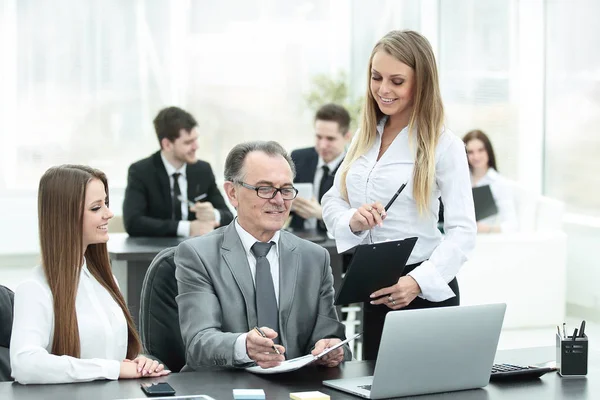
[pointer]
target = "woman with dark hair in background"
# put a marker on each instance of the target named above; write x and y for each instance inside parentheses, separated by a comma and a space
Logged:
(482, 163)
(71, 323)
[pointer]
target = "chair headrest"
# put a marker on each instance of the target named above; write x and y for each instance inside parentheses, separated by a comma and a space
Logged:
(6, 315)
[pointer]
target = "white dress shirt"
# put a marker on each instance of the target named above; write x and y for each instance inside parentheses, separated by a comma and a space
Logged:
(370, 180)
(240, 353)
(102, 332)
(183, 227)
(505, 201)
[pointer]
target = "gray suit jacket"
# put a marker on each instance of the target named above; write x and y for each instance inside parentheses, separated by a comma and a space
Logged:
(217, 303)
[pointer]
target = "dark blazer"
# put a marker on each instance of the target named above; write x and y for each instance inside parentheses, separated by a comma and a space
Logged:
(306, 161)
(148, 204)
(217, 299)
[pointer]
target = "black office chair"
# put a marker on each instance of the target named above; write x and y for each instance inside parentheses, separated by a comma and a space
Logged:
(159, 317)
(7, 299)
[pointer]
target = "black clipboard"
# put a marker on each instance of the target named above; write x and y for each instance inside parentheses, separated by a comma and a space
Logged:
(485, 205)
(373, 267)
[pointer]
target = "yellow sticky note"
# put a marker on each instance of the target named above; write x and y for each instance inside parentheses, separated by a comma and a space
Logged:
(309, 396)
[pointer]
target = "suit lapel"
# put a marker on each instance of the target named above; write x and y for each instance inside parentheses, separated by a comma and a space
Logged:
(164, 183)
(234, 256)
(289, 263)
(312, 165)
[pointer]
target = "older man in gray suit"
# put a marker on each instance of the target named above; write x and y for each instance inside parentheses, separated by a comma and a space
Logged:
(252, 274)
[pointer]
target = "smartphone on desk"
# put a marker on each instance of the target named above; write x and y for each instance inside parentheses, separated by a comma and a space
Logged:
(157, 389)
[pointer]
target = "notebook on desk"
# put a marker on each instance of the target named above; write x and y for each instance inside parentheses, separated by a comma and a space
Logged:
(430, 351)
(373, 267)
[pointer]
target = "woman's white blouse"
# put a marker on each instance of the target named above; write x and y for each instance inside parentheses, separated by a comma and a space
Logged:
(502, 192)
(369, 180)
(102, 332)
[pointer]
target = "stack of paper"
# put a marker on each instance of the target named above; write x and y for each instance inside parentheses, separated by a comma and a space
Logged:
(248, 394)
(309, 396)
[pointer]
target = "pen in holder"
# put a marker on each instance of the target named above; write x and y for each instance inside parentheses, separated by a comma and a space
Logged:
(572, 355)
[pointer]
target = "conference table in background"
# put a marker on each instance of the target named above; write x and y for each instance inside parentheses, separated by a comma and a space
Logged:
(131, 256)
(219, 384)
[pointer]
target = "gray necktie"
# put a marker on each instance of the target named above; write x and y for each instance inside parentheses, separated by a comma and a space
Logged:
(266, 302)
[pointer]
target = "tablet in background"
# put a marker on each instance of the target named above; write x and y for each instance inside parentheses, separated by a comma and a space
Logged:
(485, 205)
(305, 190)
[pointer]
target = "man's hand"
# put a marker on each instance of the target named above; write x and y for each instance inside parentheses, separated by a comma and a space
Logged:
(205, 212)
(399, 295)
(198, 228)
(260, 349)
(331, 359)
(307, 208)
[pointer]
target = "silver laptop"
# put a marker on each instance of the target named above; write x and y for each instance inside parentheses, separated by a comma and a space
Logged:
(430, 351)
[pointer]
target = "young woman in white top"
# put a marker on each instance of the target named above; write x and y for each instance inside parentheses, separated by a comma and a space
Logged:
(482, 163)
(71, 323)
(402, 140)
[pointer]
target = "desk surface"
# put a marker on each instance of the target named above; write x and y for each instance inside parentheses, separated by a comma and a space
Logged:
(123, 247)
(219, 384)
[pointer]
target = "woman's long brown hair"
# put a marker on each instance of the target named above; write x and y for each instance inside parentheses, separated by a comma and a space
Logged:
(61, 198)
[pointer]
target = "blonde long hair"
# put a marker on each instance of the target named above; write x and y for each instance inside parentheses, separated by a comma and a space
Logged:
(61, 196)
(414, 50)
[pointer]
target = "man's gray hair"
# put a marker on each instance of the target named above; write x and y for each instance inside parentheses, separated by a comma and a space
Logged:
(235, 159)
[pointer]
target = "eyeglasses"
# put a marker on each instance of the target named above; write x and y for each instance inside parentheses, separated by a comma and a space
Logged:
(269, 192)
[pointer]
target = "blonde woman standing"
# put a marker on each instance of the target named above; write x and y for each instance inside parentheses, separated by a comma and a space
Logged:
(402, 140)
(71, 323)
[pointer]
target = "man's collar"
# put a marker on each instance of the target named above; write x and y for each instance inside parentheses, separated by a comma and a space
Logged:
(248, 240)
(170, 168)
(332, 164)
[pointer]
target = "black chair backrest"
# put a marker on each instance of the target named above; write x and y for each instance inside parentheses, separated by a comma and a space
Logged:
(7, 299)
(159, 317)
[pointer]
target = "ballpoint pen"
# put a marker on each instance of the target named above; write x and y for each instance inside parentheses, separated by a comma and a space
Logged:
(261, 333)
(582, 328)
(395, 196)
(564, 330)
(182, 199)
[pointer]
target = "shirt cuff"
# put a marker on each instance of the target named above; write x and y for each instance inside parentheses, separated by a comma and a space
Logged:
(183, 228)
(433, 286)
(344, 237)
(217, 216)
(240, 355)
(112, 370)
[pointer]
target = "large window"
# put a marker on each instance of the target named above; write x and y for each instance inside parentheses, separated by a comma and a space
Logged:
(82, 80)
(476, 59)
(573, 104)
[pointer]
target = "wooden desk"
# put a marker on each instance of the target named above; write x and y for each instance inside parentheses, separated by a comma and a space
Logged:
(220, 383)
(131, 256)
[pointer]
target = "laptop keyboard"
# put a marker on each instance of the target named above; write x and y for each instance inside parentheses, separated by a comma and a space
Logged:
(366, 387)
(511, 371)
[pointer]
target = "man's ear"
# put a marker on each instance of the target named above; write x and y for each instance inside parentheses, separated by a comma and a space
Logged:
(165, 144)
(231, 192)
(348, 136)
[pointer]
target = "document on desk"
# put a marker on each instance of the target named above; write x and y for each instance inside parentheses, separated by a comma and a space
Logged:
(299, 362)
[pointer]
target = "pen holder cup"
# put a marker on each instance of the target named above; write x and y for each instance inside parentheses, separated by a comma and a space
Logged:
(572, 355)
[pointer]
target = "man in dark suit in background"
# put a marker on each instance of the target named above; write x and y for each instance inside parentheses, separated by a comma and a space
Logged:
(318, 164)
(159, 187)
